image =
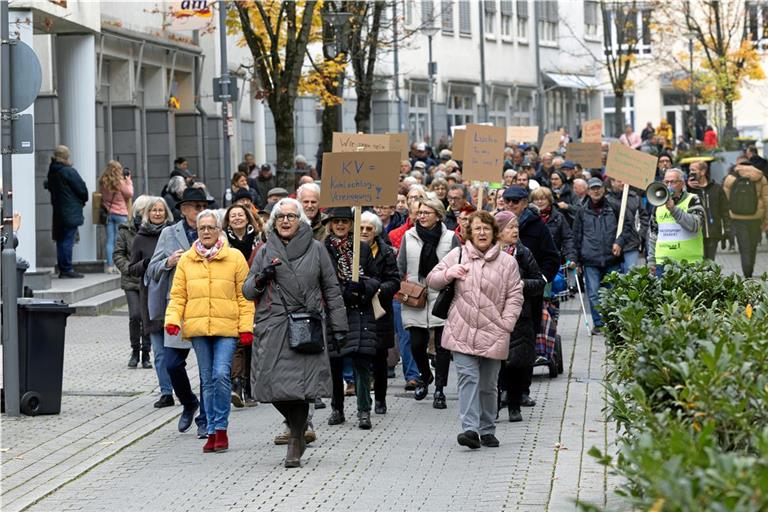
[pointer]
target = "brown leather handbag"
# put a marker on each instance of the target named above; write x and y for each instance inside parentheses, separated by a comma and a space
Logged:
(412, 294)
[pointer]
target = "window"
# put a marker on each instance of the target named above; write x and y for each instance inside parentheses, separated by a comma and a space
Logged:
(427, 13)
(522, 110)
(506, 19)
(590, 18)
(465, 18)
(418, 114)
(609, 113)
(409, 8)
(489, 17)
(446, 16)
(522, 19)
(461, 109)
(548, 21)
(498, 113)
(628, 31)
(757, 23)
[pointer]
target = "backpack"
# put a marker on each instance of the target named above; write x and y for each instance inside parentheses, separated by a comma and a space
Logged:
(743, 200)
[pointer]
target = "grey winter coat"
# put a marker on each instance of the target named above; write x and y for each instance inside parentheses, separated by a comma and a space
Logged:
(307, 278)
(171, 239)
(122, 255)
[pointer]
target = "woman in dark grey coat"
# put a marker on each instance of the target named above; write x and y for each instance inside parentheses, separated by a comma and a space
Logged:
(307, 279)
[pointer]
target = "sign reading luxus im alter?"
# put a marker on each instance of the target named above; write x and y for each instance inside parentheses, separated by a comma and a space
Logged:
(360, 179)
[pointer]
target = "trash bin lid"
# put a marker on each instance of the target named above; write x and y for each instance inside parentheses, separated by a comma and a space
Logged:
(48, 305)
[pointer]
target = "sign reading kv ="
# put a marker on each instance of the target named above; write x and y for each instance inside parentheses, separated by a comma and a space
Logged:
(360, 178)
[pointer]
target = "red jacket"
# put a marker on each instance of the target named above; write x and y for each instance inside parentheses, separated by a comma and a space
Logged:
(396, 235)
(710, 139)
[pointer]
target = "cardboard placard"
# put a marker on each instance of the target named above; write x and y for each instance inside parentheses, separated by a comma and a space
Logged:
(630, 165)
(588, 154)
(592, 131)
(360, 178)
(551, 142)
(399, 142)
(522, 134)
(353, 141)
(464, 127)
(483, 152)
(458, 144)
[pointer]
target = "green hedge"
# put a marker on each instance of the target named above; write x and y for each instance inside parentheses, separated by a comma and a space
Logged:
(688, 388)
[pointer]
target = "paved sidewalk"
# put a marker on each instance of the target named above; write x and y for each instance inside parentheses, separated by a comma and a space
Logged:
(111, 450)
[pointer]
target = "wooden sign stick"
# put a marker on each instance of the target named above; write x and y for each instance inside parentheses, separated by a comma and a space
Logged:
(356, 239)
(623, 209)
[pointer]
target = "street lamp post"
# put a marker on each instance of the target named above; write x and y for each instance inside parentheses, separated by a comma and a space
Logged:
(692, 96)
(431, 71)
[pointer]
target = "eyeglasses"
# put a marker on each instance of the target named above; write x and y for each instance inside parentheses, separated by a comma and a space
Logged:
(672, 182)
(340, 221)
(455, 198)
(207, 228)
(366, 228)
(197, 206)
(424, 213)
(513, 201)
(290, 217)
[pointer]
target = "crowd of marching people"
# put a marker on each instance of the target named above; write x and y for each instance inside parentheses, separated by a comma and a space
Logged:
(266, 288)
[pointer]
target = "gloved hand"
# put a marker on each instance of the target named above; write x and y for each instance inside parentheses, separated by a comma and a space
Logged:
(246, 339)
(173, 330)
(353, 293)
(145, 262)
(338, 341)
(264, 277)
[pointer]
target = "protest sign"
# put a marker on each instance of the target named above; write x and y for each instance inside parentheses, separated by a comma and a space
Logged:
(399, 142)
(458, 144)
(592, 131)
(360, 178)
(522, 134)
(483, 152)
(355, 141)
(588, 154)
(551, 142)
(630, 165)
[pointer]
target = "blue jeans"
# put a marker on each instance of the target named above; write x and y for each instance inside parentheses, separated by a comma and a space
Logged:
(113, 221)
(410, 369)
(64, 248)
(630, 261)
(593, 277)
(214, 357)
(162, 372)
(175, 360)
(349, 371)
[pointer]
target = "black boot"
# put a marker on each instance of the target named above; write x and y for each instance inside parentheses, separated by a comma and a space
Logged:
(439, 401)
(146, 361)
(133, 362)
(237, 393)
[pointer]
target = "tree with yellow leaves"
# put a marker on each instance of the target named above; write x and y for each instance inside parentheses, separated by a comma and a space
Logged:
(278, 33)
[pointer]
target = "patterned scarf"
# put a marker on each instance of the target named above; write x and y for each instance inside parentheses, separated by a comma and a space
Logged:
(545, 213)
(211, 253)
(343, 246)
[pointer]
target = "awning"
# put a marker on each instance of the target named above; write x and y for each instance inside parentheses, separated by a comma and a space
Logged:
(573, 81)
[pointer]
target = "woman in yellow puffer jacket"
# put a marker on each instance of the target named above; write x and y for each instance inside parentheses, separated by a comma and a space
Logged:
(208, 306)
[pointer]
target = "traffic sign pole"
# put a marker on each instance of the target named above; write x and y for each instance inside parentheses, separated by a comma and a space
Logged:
(225, 95)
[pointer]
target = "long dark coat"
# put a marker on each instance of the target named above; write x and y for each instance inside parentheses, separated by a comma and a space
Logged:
(522, 341)
(68, 197)
(385, 264)
(309, 282)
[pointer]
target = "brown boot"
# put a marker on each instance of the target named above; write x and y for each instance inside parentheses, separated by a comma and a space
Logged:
(293, 456)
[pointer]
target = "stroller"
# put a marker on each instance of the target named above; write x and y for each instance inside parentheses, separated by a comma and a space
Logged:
(549, 349)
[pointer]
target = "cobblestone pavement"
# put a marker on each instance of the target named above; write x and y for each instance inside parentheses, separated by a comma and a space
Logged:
(110, 450)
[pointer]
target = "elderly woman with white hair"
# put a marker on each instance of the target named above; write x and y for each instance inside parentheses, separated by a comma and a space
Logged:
(173, 193)
(385, 265)
(292, 274)
(208, 306)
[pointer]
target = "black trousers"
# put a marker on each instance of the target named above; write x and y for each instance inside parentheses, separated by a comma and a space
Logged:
(710, 248)
(361, 365)
(134, 322)
(380, 368)
(517, 381)
(296, 414)
(748, 234)
(419, 344)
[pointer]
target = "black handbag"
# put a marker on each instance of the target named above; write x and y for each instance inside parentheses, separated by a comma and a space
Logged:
(445, 298)
(305, 329)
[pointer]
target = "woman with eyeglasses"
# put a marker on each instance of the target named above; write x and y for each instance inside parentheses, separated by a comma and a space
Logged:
(208, 306)
(423, 246)
(292, 272)
(487, 301)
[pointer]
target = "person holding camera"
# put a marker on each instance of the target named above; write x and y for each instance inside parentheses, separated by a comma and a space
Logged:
(116, 192)
(716, 220)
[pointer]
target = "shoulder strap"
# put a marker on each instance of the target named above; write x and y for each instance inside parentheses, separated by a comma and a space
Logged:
(279, 290)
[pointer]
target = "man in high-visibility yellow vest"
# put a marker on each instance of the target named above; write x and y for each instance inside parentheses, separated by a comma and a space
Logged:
(675, 233)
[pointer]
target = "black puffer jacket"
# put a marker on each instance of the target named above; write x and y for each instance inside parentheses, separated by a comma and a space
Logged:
(68, 197)
(142, 249)
(561, 235)
(715, 204)
(595, 233)
(385, 265)
(522, 341)
(122, 254)
(361, 337)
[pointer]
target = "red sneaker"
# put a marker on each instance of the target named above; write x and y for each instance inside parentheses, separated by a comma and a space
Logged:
(222, 442)
(210, 444)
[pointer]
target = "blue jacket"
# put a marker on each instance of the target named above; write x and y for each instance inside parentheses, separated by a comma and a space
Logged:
(68, 196)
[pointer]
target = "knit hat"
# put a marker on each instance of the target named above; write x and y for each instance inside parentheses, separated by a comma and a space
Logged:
(503, 218)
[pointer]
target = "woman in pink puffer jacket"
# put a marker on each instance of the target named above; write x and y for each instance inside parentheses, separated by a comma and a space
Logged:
(488, 300)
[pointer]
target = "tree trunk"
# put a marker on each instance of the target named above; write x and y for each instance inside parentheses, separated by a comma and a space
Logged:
(730, 131)
(283, 118)
(363, 113)
(618, 121)
(329, 126)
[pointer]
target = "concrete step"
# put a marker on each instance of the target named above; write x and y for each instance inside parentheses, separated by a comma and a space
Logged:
(76, 290)
(100, 304)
